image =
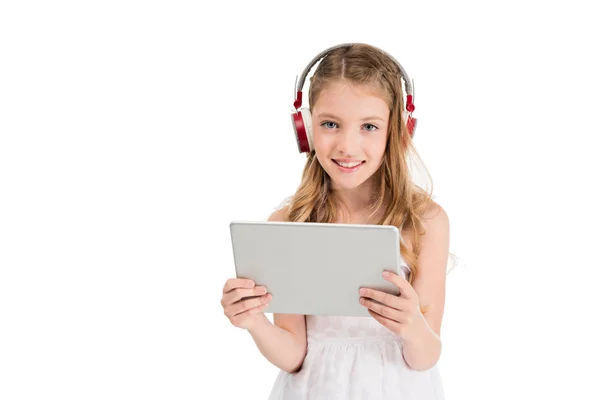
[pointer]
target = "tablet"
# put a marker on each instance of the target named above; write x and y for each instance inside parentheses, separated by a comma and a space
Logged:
(316, 268)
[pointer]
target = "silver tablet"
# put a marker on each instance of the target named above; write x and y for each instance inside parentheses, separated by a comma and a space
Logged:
(316, 268)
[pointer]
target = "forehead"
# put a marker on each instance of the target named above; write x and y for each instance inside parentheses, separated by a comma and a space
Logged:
(344, 98)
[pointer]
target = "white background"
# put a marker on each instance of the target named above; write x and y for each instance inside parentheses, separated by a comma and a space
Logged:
(132, 133)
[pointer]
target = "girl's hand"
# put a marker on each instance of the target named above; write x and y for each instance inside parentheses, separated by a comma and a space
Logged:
(401, 314)
(243, 312)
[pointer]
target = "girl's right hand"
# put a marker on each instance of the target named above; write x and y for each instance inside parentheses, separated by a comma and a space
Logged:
(244, 313)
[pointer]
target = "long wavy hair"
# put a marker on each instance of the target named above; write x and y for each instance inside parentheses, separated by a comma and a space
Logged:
(403, 202)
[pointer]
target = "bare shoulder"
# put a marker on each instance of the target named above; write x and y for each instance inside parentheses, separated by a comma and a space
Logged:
(435, 218)
(435, 223)
(280, 215)
(435, 210)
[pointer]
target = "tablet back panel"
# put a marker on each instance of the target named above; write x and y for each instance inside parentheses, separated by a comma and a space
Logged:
(316, 268)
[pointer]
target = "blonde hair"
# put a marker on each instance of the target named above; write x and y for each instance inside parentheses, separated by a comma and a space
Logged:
(404, 202)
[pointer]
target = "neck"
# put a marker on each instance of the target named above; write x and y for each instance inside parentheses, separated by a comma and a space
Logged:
(355, 203)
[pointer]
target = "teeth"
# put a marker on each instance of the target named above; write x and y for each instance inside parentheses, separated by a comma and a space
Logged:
(349, 165)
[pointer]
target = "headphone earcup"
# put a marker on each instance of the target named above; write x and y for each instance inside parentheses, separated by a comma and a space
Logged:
(411, 124)
(302, 124)
(300, 132)
(307, 117)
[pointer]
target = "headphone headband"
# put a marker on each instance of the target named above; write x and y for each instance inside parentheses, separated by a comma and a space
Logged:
(408, 87)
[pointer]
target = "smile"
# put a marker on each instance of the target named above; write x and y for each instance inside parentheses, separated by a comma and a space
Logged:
(348, 166)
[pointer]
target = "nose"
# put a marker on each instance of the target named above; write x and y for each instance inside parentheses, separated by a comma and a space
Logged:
(348, 141)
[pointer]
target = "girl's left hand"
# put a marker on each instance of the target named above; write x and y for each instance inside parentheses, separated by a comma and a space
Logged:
(401, 314)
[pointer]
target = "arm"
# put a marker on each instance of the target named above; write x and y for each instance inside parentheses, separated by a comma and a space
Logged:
(422, 349)
(282, 342)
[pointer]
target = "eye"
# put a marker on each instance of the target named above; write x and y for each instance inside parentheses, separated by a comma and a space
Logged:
(371, 125)
(328, 122)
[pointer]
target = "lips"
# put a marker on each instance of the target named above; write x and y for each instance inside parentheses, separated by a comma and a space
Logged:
(347, 163)
(348, 166)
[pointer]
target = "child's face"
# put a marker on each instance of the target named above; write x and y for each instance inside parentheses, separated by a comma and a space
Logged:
(350, 124)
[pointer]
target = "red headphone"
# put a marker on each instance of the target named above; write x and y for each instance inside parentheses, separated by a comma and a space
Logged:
(301, 118)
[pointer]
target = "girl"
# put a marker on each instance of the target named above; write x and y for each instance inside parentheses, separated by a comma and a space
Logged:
(357, 172)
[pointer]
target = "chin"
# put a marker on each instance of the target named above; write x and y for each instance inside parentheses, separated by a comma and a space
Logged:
(347, 182)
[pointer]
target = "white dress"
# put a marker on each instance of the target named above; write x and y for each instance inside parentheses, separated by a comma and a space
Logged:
(355, 358)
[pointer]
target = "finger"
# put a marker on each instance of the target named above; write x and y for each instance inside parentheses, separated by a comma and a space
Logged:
(235, 283)
(381, 309)
(382, 297)
(406, 290)
(244, 305)
(399, 303)
(255, 310)
(394, 326)
(238, 294)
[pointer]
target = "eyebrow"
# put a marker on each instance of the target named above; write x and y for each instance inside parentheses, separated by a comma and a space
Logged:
(326, 115)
